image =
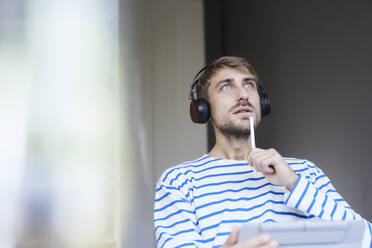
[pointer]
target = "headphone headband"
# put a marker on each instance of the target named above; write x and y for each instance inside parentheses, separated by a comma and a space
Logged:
(195, 81)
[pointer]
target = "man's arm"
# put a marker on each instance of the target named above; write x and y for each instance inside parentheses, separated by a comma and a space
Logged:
(317, 197)
(174, 219)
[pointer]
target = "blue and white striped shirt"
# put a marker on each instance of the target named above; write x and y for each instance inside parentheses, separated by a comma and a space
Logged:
(197, 203)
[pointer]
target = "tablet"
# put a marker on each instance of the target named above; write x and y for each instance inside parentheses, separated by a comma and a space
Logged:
(309, 234)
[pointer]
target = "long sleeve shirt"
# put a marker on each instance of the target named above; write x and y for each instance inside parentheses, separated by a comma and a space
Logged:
(198, 202)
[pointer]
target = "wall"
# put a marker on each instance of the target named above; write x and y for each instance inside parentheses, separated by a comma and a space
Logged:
(314, 60)
(162, 48)
(178, 55)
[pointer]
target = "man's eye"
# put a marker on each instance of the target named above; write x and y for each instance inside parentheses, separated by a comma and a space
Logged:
(226, 87)
(249, 85)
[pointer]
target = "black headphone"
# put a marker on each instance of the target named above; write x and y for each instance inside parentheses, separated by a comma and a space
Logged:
(200, 109)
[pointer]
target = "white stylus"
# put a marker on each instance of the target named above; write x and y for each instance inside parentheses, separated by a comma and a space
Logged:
(251, 125)
(253, 142)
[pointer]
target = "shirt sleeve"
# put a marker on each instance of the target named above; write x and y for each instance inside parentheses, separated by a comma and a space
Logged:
(316, 196)
(174, 218)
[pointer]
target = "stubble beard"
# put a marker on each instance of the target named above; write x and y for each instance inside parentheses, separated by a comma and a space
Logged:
(231, 131)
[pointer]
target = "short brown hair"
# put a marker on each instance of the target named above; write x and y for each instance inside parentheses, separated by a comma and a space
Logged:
(222, 62)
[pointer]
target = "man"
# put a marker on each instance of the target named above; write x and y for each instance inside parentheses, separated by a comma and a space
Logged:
(201, 203)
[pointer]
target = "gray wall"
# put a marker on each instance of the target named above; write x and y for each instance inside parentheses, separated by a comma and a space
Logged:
(162, 47)
(178, 53)
(314, 58)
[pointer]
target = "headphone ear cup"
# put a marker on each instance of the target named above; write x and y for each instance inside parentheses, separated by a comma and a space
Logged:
(199, 111)
(265, 105)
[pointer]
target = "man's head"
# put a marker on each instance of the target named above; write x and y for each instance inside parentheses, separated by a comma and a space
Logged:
(222, 62)
(230, 86)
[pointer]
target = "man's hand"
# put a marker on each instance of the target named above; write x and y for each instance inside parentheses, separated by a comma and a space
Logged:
(271, 164)
(259, 241)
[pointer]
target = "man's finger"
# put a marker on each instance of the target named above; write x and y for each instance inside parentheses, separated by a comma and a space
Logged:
(260, 241)
(267, 165)
(233, 237)
(255, 151)
(258, 160)
(271, 244)
(254, 154)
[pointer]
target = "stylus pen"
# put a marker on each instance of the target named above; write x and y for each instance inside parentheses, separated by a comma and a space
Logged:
(251, 125)
(253, 142)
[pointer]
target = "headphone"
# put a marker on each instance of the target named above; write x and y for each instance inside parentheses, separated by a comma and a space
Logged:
(200, 109)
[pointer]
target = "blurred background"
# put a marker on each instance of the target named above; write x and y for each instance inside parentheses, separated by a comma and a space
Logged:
(94, 104)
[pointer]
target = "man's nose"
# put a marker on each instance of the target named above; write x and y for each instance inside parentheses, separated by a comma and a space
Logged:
(242, 94)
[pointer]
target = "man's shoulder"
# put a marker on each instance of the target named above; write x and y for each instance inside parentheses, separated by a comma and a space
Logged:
(175, 171)
(302, 165)
(293, 160)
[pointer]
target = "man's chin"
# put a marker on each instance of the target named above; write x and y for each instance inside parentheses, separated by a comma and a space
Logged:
(236, 132)
(244, 118)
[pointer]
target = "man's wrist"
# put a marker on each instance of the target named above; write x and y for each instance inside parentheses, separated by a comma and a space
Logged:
(292, 182)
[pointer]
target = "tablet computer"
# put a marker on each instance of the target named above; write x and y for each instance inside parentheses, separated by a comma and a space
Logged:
(309, 234)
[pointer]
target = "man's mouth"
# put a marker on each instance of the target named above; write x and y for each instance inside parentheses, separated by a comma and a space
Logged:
(243, 111)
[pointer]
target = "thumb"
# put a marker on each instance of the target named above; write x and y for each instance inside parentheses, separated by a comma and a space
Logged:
(233, 237)
(253, 150)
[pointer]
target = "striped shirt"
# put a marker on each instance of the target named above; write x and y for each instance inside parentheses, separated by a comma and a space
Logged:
(198, 202)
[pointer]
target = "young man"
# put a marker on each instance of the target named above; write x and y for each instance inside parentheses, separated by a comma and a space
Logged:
(201, 203)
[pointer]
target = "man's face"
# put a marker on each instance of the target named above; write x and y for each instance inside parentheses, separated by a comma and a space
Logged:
(233, 98)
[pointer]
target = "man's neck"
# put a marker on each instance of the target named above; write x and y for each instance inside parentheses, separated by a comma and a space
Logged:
(231, 148)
